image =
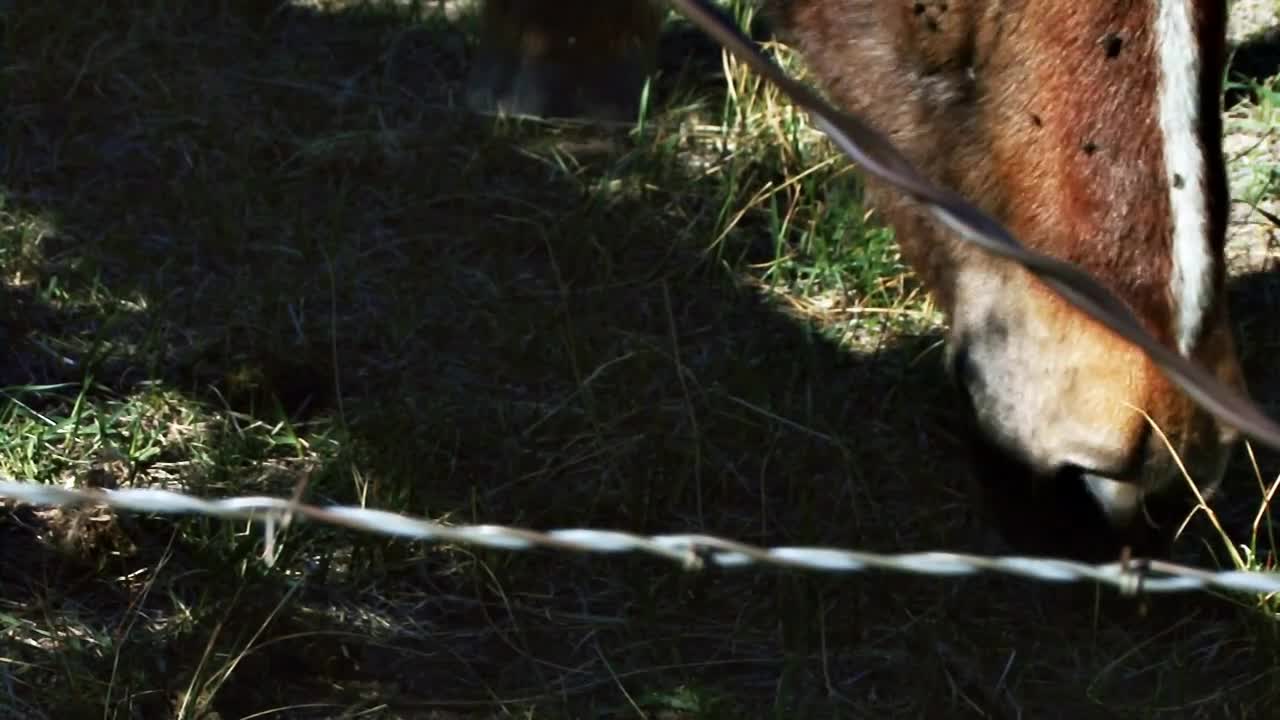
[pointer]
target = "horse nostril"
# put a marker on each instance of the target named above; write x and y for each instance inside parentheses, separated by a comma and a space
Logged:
(959, 363)
(1069, 472)
(963, 374)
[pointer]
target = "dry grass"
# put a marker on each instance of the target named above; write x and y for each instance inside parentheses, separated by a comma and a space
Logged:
(247, 249)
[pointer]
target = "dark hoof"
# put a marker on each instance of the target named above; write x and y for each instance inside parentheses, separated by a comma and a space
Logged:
(515, 86)
(584, 59)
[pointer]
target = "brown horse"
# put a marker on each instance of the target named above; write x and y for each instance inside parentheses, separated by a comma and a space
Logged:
(1091, 129)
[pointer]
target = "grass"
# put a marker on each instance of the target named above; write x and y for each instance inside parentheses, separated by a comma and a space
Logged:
(250, 251)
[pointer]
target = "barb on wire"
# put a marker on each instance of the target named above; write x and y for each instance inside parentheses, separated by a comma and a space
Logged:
(872, 150)
(688, 550)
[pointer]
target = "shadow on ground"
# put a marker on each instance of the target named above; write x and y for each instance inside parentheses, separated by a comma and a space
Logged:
(1255, 300)
(280, 220)
(1255, 59)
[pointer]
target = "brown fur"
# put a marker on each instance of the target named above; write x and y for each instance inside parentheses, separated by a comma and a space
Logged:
(1059, 147)
(1045, 114)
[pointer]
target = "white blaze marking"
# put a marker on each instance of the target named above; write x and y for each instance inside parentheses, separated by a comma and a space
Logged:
(1179, 108)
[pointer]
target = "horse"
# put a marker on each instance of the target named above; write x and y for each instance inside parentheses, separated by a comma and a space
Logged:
(1091, 129)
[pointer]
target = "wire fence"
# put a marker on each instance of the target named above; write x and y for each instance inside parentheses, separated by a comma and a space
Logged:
(694, 552)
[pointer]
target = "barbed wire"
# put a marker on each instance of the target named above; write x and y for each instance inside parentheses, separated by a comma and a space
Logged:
(692, 551)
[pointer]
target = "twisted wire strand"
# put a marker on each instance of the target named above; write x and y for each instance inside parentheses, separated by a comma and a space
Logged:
(693, 551)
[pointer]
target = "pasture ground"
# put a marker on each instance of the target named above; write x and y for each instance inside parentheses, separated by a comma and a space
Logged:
(251, 251)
